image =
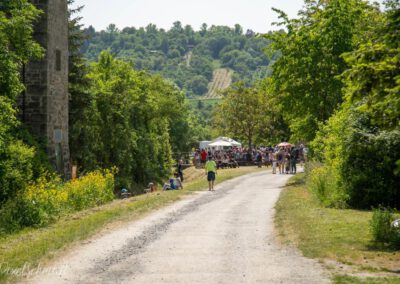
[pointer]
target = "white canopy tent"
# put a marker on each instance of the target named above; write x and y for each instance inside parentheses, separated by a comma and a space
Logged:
(235, 143)
(204, 144)
(229, 140)
(220, 143)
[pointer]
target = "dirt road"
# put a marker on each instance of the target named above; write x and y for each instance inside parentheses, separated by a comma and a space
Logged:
(225, 236)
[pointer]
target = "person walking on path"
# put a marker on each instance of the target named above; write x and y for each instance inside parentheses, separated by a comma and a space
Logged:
(211, 171)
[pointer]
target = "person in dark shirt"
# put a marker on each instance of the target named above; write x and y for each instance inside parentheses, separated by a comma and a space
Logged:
(180, 169)
(294, 154)
(280, 160)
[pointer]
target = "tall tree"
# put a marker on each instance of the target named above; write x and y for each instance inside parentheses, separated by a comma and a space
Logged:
(305, 76)
(242, 113)
(133, 121)
(365, 131)
(373, 80)
(80, 99)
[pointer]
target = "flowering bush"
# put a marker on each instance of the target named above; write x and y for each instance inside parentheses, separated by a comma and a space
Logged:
(91, 190)
(42, 202)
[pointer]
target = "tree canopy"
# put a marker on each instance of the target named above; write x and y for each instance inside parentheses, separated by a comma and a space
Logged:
(249, 114)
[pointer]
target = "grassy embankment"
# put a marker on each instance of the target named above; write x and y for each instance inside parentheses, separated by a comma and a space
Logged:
(340, 239)
(205, 101)
(33, 247)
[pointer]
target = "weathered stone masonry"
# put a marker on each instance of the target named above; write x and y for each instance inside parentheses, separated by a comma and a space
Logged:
(45, 103)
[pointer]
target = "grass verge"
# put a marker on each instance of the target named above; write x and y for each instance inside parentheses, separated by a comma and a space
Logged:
(24, 251)
(341, 239)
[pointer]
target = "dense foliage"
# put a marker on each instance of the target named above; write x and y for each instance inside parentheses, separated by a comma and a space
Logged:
(359, 162)
(123, 117)
(131, 122)
(29, 193)
(20, 155)
(305, 76)
(372, 81)
(185, 56)
(361, 143)
(337, 86)
(341, 89)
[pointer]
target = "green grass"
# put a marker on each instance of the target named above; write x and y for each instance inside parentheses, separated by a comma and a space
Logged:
(334, 234)
(36, 246)
(345, 279)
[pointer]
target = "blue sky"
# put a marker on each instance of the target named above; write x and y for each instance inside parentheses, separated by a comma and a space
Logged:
(250, 14)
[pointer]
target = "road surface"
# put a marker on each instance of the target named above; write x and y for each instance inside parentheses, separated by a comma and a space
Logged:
(225, 236)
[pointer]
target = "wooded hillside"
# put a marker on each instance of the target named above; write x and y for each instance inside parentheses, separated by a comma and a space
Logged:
(185, 56)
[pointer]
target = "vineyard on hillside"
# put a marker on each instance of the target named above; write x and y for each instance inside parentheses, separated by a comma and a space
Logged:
(188, 58)
(222, 78)
(183, 55)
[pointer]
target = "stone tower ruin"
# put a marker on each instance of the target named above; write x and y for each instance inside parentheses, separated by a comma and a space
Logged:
(44, 105)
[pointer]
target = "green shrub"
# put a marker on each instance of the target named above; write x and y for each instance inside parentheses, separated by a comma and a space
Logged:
(361, 159)
(368, 168)
(380, 225)
(15, 169)
(324, 185)
(18, 213)
(47, 199)
(381, 229)
(22, 161)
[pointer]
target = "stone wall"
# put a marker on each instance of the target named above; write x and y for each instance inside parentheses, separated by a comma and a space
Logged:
(45, 103)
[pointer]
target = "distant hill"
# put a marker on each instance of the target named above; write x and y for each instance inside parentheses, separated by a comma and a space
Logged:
(187, 57)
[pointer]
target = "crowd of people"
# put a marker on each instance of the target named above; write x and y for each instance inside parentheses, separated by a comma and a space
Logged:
(281, 159)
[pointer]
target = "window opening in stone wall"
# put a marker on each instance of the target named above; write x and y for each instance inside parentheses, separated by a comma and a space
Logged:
(59, 158)
(58, 60)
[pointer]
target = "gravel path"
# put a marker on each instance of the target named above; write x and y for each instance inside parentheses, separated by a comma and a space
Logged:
(225, 236)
